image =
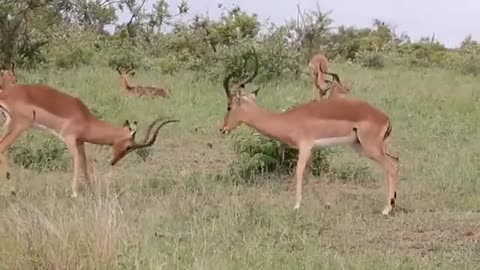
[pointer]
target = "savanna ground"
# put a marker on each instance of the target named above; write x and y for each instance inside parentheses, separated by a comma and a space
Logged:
(173, 211)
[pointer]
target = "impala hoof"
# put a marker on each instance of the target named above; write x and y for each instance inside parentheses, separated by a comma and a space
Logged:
(387, 210)
(297, 206)
(327, 205)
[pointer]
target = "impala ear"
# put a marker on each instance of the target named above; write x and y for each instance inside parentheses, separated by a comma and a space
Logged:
(253, 95)
(133, 128)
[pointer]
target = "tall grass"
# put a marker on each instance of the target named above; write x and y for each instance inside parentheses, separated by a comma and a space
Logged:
(171, 211)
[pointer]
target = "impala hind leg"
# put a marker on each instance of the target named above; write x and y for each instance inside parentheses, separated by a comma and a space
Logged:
(304, 155)
(374, 147)
(77, 150)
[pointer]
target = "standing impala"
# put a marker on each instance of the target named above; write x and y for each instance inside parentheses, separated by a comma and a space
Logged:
(137, 90)
(317, 124)
(44, 107)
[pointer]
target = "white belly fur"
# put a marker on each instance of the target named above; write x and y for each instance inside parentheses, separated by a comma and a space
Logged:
(334, 140)
(38, 126)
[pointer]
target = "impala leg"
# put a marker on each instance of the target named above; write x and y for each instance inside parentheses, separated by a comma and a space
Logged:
(392, 177)
(13, 132)
(375, 149)
(315, 90)
(77, 150)
(321, 85)
(308, 168)
(303, 157)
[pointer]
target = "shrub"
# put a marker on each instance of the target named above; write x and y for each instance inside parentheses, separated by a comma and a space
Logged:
(470, 66)
(41, 157)
(370, 59)
(257, 154)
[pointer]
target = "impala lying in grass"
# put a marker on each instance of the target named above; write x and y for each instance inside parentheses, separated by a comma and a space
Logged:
(137, 90)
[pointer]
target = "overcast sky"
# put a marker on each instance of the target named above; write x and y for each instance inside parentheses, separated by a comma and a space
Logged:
(451, 21)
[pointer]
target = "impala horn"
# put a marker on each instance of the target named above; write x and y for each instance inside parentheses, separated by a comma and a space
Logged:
(130, 68)
(146, 141)
(149, 142)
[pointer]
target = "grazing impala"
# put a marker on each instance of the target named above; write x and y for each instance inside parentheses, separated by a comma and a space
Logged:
(317, 124)
(7, 77)
(44, 107)
(136, 90)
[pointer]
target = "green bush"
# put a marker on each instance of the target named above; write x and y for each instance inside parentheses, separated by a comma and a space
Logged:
(257, 155)
(470, 66)
(370, 59)
(49, 155)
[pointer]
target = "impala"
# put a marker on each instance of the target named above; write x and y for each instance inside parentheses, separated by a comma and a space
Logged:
(318, 66)
(136, 90)
(336, 87)
(7, 77)
(44, 107)
(317, 124)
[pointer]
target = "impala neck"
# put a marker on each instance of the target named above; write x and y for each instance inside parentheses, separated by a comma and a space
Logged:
(102, 132)
(126, 84)
(268, 123)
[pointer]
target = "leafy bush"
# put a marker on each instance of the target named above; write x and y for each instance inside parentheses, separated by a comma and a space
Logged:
(41, 157)
(257, 154)
(470, 65)
(370, 59)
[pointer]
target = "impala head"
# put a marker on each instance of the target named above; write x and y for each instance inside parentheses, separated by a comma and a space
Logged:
(125, 74)
(239, 100)
(8, 75)
(127, 143)
(336, 87)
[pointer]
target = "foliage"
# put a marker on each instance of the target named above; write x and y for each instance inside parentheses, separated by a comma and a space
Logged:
(72, 33)
(257, 154)
(39, 157)
(370, 59)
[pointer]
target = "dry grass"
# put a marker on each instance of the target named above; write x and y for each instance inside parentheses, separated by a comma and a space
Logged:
(172, 212)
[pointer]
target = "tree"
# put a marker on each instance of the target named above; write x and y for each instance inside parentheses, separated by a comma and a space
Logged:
(13, 15)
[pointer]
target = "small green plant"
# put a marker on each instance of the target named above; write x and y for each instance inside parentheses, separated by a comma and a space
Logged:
(143, 153)
(257, 154)
(352, 173)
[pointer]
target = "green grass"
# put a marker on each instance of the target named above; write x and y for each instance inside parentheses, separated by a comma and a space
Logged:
(173, 212)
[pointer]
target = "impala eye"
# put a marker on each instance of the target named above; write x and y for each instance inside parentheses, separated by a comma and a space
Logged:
(229, 108)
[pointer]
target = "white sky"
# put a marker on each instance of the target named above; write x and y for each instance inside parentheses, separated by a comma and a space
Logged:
(451, 21)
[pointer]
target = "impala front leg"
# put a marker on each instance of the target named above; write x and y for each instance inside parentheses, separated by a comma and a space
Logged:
(315, 89)
(304, 155)
(13, 132)
(77, 150)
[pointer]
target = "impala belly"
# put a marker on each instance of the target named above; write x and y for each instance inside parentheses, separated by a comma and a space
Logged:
(334, 140)
(331, 132)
